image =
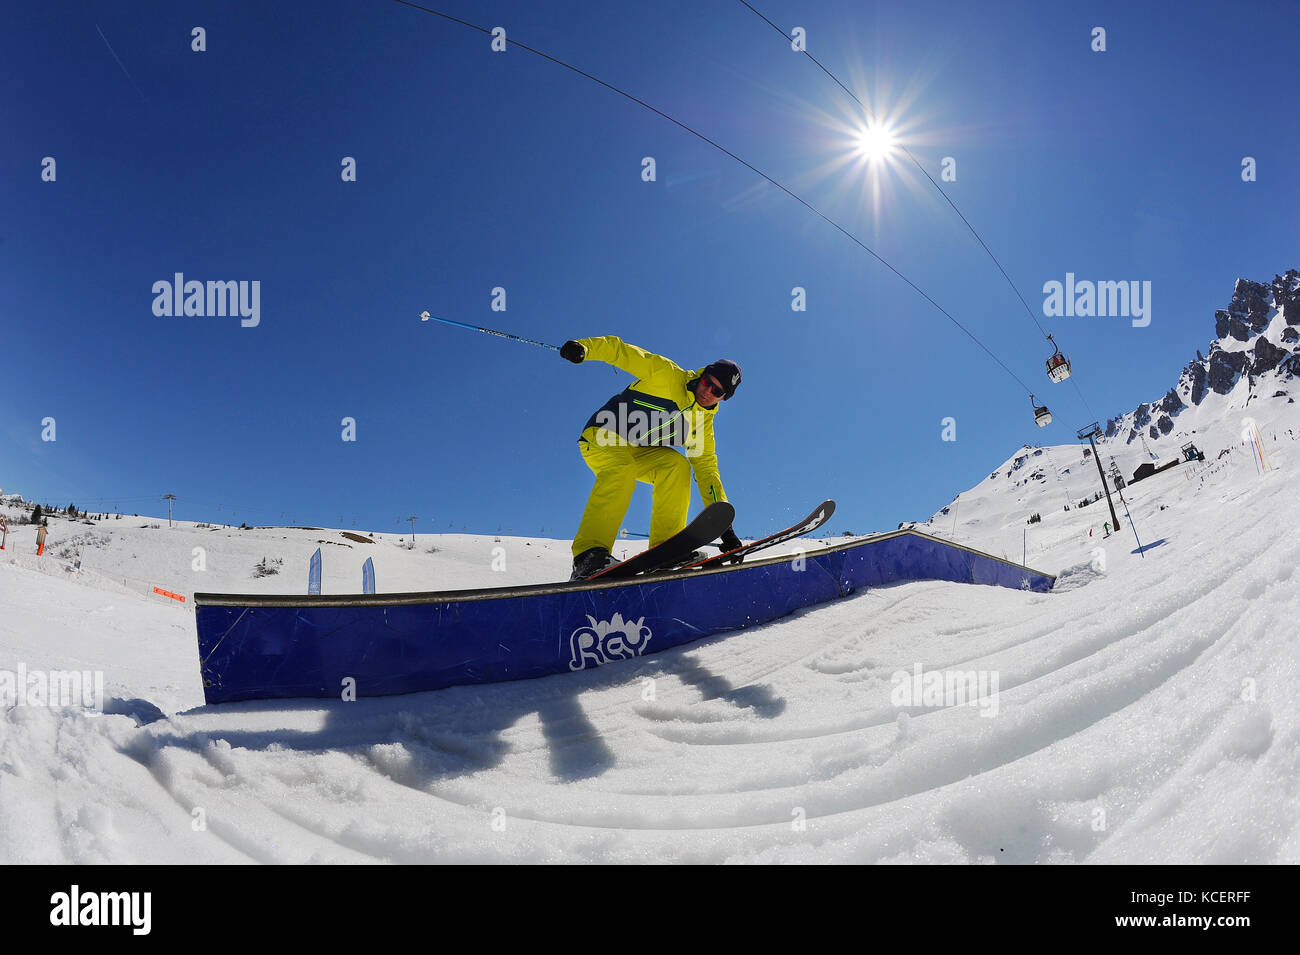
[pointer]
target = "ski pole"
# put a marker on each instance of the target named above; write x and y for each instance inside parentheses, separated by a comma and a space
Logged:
(425, 316)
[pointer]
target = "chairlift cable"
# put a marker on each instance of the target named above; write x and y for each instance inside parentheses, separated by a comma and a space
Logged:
(973, 231)
(694, 132)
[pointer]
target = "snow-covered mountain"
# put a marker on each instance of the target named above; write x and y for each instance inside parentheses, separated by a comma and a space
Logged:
(1248, 379)
(1255, 357)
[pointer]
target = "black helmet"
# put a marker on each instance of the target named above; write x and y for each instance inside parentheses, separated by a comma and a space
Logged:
(728, 374)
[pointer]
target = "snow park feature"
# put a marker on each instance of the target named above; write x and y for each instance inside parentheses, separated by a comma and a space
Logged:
(262, 647)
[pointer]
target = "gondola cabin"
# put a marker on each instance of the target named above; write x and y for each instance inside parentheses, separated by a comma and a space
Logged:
(1058, 366)
(1042, 417)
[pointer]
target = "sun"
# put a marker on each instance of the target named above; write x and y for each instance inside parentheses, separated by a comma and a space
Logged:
(876, 142)
(864, 141)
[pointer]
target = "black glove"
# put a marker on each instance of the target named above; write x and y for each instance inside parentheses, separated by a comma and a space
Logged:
(728, 542)
(573, 351)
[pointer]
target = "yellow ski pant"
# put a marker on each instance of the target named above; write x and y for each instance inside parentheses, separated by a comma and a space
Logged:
(617, 469)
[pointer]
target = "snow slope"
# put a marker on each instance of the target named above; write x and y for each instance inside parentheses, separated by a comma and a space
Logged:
(1143, 713)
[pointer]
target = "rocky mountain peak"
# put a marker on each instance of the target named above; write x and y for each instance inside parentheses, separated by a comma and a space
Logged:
(1273, 357)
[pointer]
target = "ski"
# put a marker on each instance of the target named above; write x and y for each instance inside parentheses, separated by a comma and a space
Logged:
(816, 519)
(705, 529)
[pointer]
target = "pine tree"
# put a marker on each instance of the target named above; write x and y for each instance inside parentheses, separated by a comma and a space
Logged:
(37, 514)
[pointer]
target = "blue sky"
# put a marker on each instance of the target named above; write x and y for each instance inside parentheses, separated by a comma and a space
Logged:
(478, 169)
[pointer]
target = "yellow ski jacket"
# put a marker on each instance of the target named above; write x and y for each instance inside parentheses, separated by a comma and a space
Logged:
(658, 409)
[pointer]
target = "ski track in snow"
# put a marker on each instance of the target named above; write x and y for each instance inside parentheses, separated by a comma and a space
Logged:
(1144, 713)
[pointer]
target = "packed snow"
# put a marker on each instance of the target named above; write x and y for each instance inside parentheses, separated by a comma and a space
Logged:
(1142, 712)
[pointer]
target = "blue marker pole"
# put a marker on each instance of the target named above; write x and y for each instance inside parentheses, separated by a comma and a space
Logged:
(1141, 553)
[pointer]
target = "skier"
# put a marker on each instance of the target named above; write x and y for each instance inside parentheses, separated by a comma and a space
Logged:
(629, 439)
(40, 538)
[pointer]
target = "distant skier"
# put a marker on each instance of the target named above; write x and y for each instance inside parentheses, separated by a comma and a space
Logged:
(40, 539)
(630, 439)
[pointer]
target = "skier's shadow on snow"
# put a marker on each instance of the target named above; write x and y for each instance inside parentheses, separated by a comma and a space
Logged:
(418, 739)
(438, 735)
(756, 697)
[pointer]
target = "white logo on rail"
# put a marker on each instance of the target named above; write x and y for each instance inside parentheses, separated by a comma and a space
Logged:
(603, 641)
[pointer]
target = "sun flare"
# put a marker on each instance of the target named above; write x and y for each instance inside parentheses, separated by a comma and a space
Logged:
(876, 142)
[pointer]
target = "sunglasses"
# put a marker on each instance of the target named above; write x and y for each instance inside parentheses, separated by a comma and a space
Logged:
(712, 385)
